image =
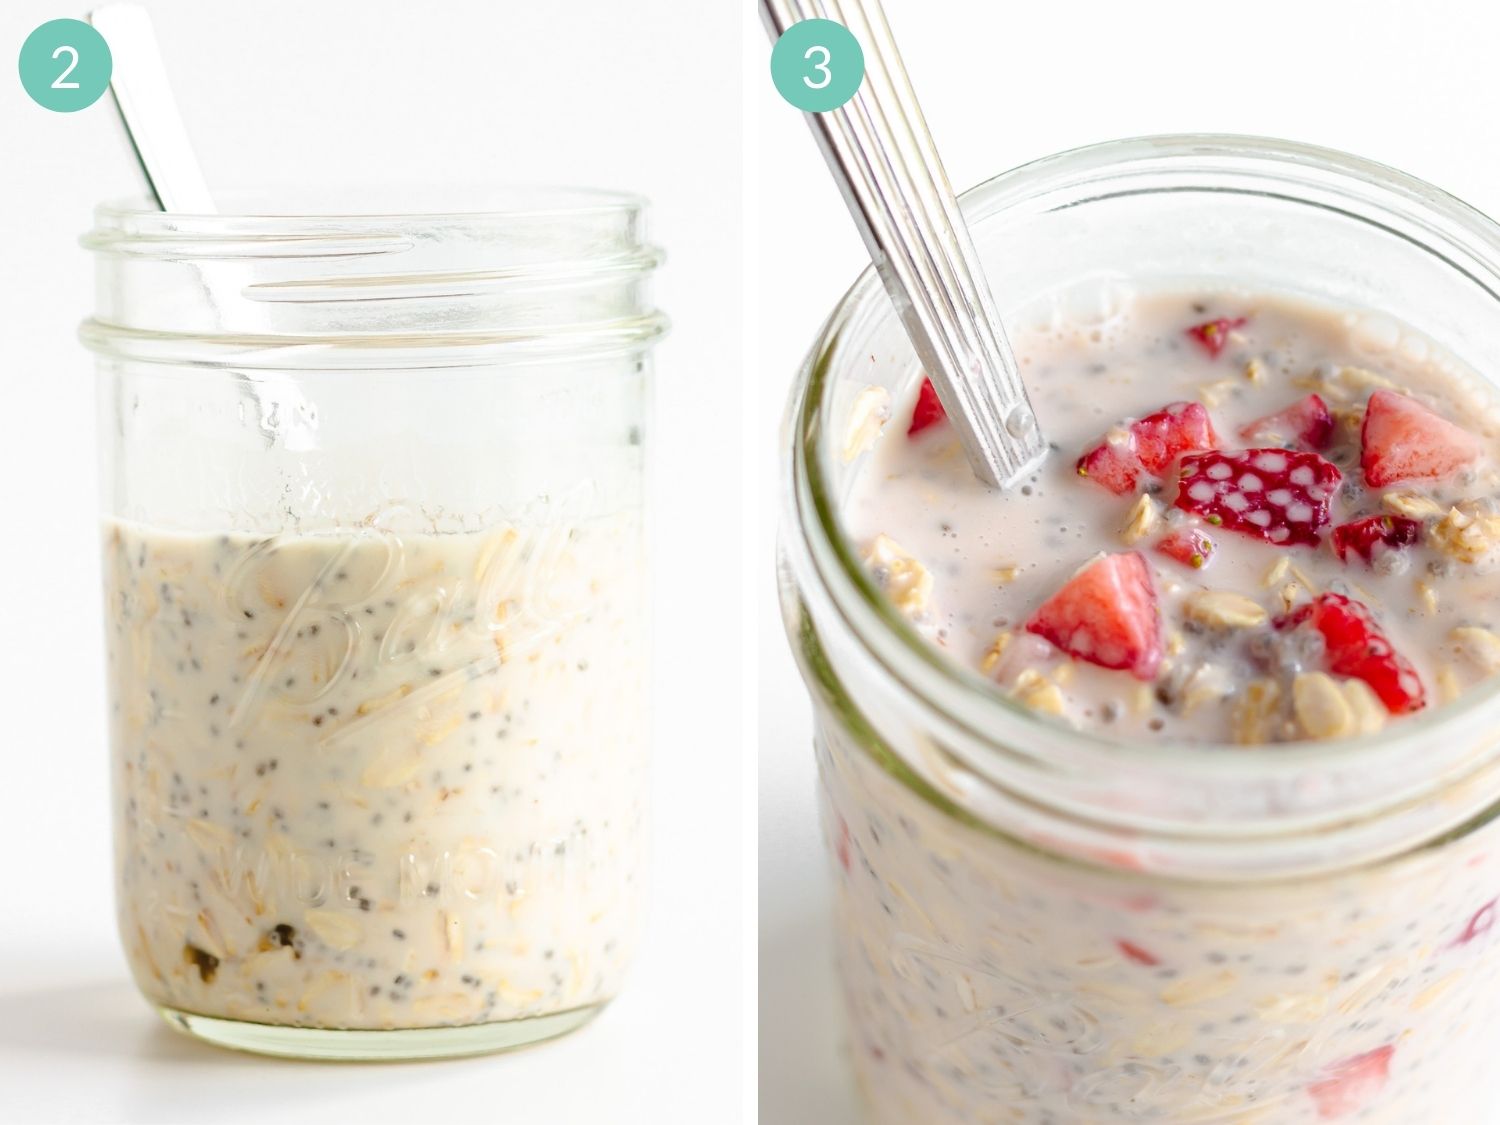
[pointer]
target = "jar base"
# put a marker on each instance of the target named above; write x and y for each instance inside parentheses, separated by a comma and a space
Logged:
(398, 1045)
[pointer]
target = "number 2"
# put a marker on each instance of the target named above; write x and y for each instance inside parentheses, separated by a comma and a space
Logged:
(59, 84)
(819, 66)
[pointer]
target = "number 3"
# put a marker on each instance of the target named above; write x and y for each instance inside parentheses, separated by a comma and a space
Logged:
(819, 66)
(59, 84)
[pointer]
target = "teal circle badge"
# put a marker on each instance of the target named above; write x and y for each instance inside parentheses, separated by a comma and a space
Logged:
(817, 65)
(65, 65)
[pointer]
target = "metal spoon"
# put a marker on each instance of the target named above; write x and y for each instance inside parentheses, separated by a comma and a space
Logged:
(153, 125)
(143, 99)
(892, 179)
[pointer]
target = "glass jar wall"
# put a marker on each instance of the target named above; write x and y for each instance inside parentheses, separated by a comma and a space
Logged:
(375, 597)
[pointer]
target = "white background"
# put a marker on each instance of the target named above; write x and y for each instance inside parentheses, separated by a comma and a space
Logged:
(1001, 83)
(639, 95)
(642, 96)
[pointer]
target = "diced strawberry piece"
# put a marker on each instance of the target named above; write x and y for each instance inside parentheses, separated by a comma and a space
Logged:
(1403, 440)
(1113, 465)
(1278, 495)
(1213, 335)
(1106, 614)
(1189, 546)
(1135, 953)
(1351, 1084)
(928, 411)
(1178, 428)
(1480, 924)
(1306, 422)
(1364, 536)
(1354, 646)
(1149, 445)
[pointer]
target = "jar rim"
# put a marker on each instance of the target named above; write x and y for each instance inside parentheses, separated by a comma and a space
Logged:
(968, 702)
(500, 202)
(592, 222)
(463, 277)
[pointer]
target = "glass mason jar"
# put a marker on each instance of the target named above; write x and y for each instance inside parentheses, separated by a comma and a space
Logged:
(1035, 924)
(374, 560)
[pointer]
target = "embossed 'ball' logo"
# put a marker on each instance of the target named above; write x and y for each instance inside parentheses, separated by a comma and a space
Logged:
(322, 603)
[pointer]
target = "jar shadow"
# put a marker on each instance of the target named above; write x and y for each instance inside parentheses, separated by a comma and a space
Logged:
(133, 1055)
(804, 1068)
(97, 1018)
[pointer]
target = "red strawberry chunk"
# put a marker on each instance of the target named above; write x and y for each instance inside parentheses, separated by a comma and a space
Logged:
(1106, 614)
(1364, 537)
(1148, 445)
(1307, 422)
(1480, 924)
(1403, 440)
(1351, 1084)
(843, 846)
(1189, 546)
(1135, 953)
(1176, 429)
(928, 410)
(1354, 646)
(1112, 464)
(1278, 495)
(1213, 335)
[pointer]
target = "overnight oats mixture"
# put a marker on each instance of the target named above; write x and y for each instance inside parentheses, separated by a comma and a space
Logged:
(1249, 531)
(1263, 521)
(373, 780)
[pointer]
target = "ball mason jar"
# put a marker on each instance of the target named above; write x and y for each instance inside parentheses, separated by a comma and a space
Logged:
(374, 561)
(1036, 924)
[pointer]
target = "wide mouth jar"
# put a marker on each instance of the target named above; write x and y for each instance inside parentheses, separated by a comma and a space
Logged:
(1041, 923)
(374, 499)
(1250, 213)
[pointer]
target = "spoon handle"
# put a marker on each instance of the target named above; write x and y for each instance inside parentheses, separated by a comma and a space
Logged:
(138, 84)
(892, 179)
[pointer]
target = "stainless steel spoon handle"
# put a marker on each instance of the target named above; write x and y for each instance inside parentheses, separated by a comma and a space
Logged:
(892, 179)
(149, 112)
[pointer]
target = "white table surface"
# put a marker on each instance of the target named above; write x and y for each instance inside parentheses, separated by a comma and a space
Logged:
(77, 1044)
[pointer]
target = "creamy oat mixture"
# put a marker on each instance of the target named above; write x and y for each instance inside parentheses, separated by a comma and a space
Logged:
(378, 780)
(988, 983)
(1283, 528)
(1248, 497)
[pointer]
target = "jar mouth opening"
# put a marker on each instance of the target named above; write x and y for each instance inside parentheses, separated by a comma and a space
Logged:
(946, 687)
(517, 228)
(282, 208)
